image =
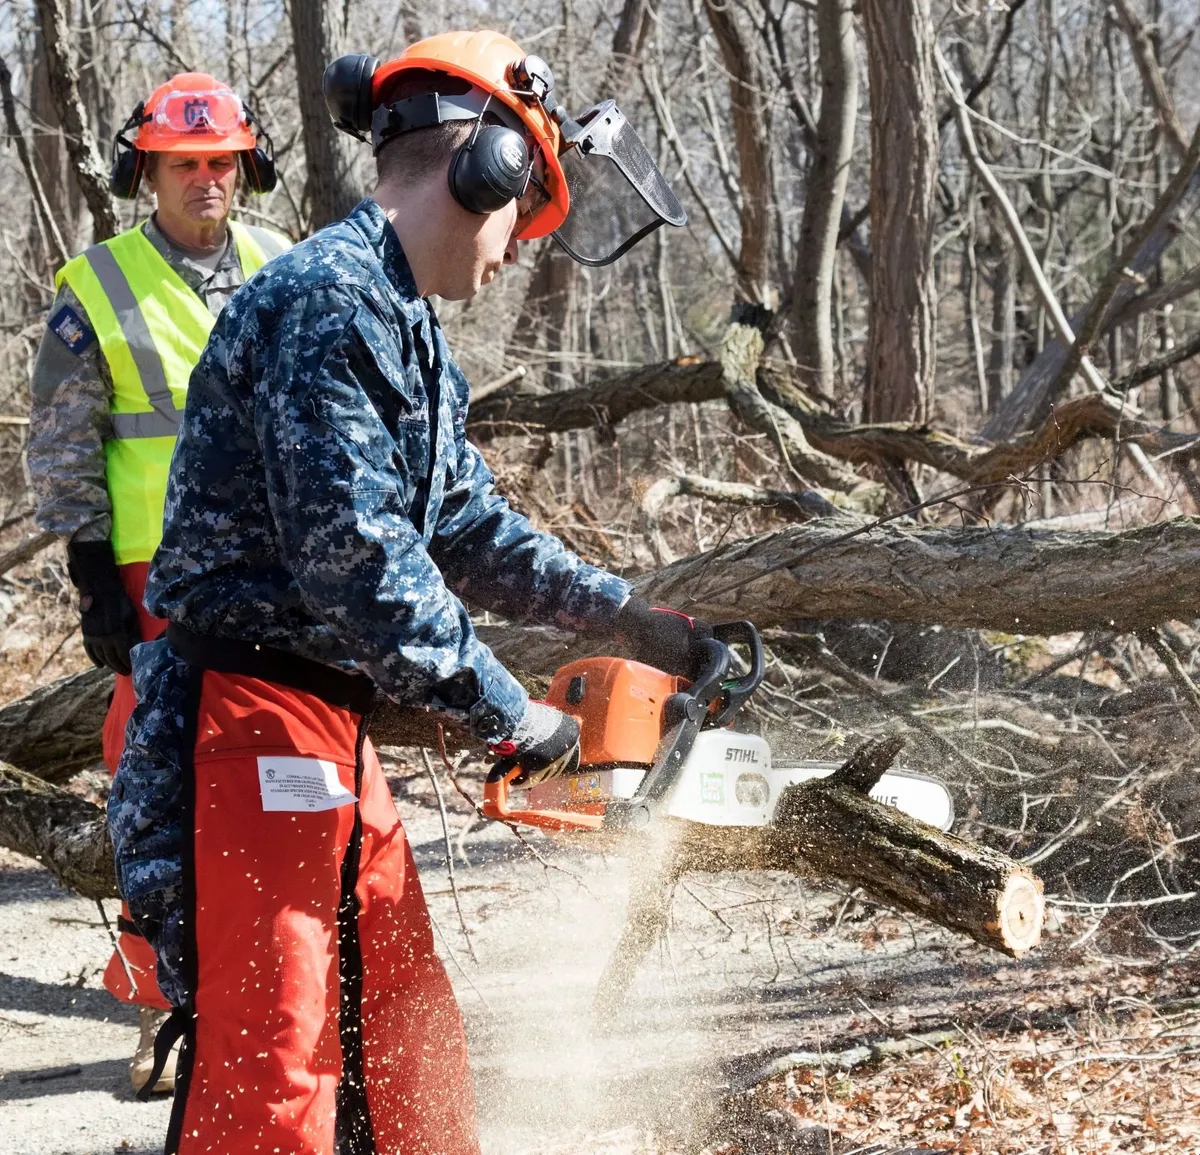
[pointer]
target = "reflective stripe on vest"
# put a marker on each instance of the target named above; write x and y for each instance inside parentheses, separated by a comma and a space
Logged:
(151, 328)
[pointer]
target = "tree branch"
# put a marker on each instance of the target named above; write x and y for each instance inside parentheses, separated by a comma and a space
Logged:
(1152, 77)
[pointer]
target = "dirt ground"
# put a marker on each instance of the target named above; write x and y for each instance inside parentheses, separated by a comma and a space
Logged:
(744, 1033)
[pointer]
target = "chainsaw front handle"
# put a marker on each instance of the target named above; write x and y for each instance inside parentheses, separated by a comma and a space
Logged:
(737, 691)
(495, 805)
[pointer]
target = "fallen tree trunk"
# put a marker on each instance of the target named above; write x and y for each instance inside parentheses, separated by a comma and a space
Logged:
(65, 833)
(1003, 578)
(682, 380)
(830, 829)
(55, 731)
(999, 578)
(839, 832)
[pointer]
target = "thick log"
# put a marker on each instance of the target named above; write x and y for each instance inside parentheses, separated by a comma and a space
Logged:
(840, 833)
(1024, 580)
(1002, 578)
(55, 731)
(65, 833)
(831, 830)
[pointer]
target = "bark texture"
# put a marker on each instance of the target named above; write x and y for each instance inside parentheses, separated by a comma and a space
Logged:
(838, 832)
(65, 833)
(81, 143)
(55, 731)
(1034, 581)
(833, 145)
(904, 152)
(603, 404)
(752, 139)
(330, 190)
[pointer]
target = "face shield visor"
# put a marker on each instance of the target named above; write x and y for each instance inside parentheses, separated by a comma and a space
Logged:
(617, 194)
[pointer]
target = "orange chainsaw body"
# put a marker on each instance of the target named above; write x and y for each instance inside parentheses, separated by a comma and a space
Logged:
(618, 704)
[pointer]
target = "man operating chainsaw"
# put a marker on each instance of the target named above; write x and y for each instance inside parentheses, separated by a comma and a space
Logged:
(325, 513)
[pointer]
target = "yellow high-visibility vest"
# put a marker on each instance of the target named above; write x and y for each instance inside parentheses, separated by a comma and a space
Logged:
(152, 329)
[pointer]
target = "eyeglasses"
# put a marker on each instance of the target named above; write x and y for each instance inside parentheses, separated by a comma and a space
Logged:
(531, 202)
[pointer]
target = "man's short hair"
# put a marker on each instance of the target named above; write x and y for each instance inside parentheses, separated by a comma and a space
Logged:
(412, 156)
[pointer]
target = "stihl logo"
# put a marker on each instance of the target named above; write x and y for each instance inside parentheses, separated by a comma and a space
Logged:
(739, 754)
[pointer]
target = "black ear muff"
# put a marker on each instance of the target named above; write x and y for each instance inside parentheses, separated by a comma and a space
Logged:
(258, 163)
(125, 176)
(258, 168)
(346, 86)
(128, 162)
(490, 170)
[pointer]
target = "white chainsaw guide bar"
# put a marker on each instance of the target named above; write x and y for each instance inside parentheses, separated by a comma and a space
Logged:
(729, 779)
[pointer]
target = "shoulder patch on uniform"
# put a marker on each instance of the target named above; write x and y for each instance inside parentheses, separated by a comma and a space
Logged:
(71, 329)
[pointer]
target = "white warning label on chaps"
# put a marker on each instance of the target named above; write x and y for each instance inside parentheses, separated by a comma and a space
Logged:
(290, 783)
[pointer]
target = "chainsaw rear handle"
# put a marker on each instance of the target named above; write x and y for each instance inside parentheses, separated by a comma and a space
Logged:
(495, 804)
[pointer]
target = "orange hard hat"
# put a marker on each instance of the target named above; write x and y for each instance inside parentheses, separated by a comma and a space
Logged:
(194, 112)
(486, 60)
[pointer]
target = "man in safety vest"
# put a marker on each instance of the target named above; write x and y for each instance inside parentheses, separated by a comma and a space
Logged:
(324, 514)
(126, 328)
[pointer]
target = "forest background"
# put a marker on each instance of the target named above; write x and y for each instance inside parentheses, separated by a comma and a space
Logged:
(913, 388)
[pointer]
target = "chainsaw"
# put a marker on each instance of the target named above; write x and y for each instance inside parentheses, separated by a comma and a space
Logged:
(653, 745)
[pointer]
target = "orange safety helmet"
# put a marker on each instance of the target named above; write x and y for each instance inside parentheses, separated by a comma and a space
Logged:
(487, 60)
(194, 112)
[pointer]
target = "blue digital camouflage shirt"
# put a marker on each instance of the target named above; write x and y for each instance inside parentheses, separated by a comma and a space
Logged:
(324, 498)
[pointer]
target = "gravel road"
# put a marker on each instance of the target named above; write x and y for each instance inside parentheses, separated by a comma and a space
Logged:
(754, 966)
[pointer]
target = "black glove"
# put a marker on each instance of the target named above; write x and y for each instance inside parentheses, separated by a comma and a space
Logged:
(664, 639)
(545, 744)
(107, 617)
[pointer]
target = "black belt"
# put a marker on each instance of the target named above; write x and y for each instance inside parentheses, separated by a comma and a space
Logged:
(335, 687)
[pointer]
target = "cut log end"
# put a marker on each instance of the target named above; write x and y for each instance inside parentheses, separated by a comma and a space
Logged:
(1021, 913)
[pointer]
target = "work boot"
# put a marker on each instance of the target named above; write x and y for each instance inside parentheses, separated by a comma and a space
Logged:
(149, 1020)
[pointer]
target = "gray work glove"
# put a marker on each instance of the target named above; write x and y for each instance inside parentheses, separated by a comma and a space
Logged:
(545, 744)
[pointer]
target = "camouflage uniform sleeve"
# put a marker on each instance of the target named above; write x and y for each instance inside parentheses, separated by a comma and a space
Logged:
(493, 557)
(340, 486)
(68, 425)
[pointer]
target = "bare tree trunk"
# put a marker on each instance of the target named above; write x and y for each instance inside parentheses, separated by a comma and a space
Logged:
(546, 309)
(904, 155)
(330, 189)
(1004, 319)
(833, 146)
(752, 138)
(1145, 55)
(63, 76)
